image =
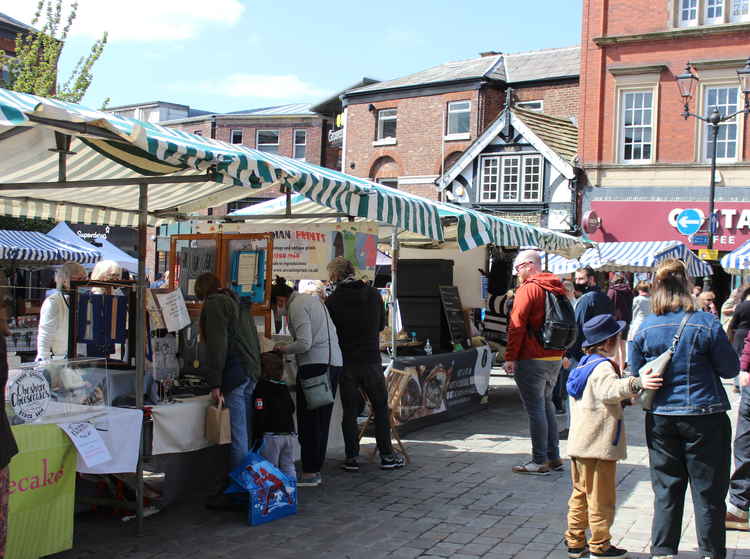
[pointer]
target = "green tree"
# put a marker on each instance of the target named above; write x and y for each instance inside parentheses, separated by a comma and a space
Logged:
(34, 68)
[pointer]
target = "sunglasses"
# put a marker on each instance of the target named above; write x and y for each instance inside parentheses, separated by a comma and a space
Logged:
(519, 266)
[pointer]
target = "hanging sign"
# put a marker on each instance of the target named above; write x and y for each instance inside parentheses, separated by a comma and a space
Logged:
(28, 395)
(708, 254)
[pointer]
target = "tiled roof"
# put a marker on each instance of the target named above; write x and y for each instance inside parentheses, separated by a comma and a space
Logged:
(278, 110)
(487, 66)
(559, 134)
(4, 18)
(542, 64)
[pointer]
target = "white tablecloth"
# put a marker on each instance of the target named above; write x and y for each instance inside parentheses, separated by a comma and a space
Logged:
(181, 426)
(120, 429)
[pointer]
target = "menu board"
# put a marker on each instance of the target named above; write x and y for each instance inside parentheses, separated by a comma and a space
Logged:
(454, 314)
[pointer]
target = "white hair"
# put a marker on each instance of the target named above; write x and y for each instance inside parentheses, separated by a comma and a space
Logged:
(106, 270)
(528, 256)
(66, 272)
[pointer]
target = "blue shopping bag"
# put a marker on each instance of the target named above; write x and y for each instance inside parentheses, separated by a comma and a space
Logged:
(271, 494)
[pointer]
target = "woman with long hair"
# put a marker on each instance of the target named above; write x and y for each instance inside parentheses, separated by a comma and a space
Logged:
(688, 433)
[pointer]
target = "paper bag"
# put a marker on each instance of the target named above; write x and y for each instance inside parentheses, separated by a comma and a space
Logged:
(217, 425)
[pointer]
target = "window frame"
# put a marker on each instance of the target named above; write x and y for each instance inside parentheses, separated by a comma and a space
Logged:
(258, 144)
(232, 132)
(380, 118)
(739, 122)
(295, 145)
(714, 20)
(693, 22)
(621, 91)
(742, 18)
(503, 162)
(448, 112)
(524, 105)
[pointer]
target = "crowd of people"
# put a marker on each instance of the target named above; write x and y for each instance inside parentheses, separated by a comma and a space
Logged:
(665, 347)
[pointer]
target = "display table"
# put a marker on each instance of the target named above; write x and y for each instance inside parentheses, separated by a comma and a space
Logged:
(180, 426)
(424, 390)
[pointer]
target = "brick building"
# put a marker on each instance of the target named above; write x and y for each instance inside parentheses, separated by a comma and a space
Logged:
(9, 29)
(407, 131)
(642, 158)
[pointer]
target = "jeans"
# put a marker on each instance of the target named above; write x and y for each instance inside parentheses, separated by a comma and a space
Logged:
(235, 403)
(739, 485)
(592, 503)
(368, 377)
(313, 425)
(694, 448)
(279, 451)
(536, 380)
(249, 389)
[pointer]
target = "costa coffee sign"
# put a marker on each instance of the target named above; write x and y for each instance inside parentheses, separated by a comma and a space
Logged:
(657, 221)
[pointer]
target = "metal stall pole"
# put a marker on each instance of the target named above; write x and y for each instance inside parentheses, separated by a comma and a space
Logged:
(140, 340)
(394, 304)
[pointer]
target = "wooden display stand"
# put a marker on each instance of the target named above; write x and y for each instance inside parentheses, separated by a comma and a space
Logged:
(396, 385)
(222, 268)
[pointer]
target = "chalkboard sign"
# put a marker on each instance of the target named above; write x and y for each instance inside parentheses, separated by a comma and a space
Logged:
(454, 314)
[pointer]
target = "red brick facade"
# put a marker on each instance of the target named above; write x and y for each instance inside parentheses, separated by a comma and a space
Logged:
(560, 99)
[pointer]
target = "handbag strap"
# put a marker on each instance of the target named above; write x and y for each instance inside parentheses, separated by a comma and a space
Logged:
(677, 335)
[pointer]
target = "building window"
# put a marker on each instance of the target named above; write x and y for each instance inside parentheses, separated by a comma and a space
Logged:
(725, 100)
(267, 140)
(636, 127)
(243, 203)
(235, 136)
(390, 182)
(300, 143)
(516, 178)
(459, 115)
(531, 105)
(714, 11)
(386, 124)
(688, 13)
(740, 10)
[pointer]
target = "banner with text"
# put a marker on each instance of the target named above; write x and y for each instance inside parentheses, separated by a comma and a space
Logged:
(304, 251)
(42, 492)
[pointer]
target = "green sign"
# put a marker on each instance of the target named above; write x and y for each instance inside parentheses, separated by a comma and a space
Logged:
(42, 492)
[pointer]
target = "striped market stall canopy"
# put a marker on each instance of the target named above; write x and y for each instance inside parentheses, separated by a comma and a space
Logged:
(32, 246)
(737, 262)
(560, 265)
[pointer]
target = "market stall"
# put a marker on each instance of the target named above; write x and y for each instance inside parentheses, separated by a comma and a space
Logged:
(107, 250)
(737, 262)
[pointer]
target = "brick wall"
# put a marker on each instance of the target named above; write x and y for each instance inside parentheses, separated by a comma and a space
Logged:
(560, 99)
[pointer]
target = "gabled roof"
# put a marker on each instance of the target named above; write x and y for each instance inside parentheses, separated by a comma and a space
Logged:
(277, 110)
(544, 64)
(489, 67)
(13, 22)
(555, 138)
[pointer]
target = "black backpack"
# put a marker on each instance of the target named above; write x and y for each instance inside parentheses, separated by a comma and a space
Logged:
(559, 330)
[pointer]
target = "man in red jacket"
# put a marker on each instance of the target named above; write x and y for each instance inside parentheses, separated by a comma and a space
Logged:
(535, 369)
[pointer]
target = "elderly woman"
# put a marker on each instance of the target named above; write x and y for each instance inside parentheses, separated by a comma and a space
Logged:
(316, 347)
(688, 433)
(52, 338)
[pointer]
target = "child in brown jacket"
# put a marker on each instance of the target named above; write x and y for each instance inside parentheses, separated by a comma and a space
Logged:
(597, 437)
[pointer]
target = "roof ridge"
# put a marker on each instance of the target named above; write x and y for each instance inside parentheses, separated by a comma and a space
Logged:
(541, 50)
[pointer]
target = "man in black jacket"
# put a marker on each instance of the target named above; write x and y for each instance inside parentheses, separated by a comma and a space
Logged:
(359, 315)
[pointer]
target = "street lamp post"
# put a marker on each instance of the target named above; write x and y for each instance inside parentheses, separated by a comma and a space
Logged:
(686, 82)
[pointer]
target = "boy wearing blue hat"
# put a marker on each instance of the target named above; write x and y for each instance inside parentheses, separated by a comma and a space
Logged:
(597, 437)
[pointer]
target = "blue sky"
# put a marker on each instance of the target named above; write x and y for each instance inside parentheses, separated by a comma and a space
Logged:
(226, 55)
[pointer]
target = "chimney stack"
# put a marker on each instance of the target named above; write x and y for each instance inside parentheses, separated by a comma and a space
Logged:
(489, 53)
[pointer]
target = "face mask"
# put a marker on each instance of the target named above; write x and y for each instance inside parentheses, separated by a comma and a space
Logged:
(583, 286)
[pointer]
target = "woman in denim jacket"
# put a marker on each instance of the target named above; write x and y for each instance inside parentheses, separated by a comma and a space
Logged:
(688, 433)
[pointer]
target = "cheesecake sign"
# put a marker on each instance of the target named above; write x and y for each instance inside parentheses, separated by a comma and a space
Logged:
(28, 395)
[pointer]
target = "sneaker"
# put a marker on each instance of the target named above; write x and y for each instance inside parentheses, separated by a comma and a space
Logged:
(392, 462)
(310, 481)
(734, 522)
(577, 552)
(612, 551)
(532, 468)
(350, 465)
(556, 465)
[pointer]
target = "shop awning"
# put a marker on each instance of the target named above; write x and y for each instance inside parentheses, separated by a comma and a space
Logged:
(107, 250)
(738, 261)
(32, 246)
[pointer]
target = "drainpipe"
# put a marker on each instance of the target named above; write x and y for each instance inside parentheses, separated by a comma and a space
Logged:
(213, 127)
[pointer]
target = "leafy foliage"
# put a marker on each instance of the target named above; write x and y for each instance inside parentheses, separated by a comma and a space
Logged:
(34, 68)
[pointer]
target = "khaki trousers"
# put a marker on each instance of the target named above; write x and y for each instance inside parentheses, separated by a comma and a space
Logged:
(592, 503)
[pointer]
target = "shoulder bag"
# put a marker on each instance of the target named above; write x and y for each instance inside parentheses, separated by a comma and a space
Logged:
(317, 389)
(660, 364)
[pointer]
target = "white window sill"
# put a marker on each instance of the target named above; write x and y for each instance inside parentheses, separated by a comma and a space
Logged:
(384, 142)
(637, 162)
(462, 136)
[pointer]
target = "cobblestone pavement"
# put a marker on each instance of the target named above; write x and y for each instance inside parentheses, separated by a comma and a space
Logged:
(458, 498)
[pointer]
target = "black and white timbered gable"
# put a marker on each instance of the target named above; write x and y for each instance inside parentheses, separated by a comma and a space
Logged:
(522, 167)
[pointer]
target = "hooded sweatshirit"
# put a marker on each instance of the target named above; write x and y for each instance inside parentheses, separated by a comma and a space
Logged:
(527, 318)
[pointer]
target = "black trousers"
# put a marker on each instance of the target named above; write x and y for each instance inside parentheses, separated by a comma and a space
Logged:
(369, 377)
(313, 425)
(695, 449)
(739, 485)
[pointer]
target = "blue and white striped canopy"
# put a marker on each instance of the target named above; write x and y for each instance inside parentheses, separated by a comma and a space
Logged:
(641, 256)
(32, 246)
(738, 261)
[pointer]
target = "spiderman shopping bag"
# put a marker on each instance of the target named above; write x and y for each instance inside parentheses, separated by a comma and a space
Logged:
(272, 495)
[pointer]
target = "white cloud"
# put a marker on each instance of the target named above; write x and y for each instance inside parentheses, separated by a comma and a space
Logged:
(141, 20)
(282, 88)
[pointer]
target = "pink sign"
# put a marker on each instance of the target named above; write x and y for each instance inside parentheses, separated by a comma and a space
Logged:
(623, 220)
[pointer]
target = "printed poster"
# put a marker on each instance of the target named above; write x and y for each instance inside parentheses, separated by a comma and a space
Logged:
(304, 251)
